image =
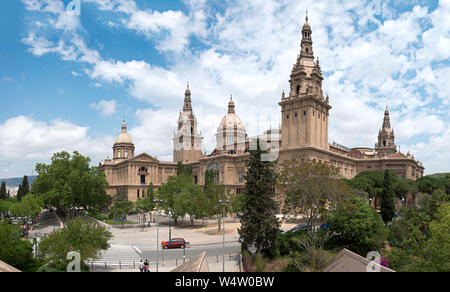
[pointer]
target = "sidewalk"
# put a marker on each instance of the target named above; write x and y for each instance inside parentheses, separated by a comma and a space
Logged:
(214, 266)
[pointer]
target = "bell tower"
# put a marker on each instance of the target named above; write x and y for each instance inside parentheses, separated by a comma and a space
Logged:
(187, 140)
(305, 111)
(386, 138)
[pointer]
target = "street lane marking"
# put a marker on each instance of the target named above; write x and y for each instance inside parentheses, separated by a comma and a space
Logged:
(137, 249)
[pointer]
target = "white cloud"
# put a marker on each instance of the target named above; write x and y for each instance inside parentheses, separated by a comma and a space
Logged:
(105, 107)
(25, 141)
(434, 153)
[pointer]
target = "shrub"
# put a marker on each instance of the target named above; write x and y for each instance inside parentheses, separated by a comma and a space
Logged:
(260, 263)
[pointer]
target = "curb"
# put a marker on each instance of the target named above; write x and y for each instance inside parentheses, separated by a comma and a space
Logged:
(98, 221)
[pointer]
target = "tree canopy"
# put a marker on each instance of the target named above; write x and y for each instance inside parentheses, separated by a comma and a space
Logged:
(70, 182)
(85, 237)
(309, 187)
(387, 198)
(13, 250)
(357, 225)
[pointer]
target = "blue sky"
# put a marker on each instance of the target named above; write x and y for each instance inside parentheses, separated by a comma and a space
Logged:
(67, 81)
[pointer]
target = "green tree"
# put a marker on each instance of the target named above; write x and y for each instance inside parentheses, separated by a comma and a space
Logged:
(309, 187)
(189, 201)
(214, 194)
(70, 182)
(3, 195)
(121, 209)
(85, 237)
(184, 170)
(430, 183)
(387, 198)
(143, 207)
(357, 225)
(24, 188)
(433, 255)
(410, 231)
(169, 191)
(209, 178)
(4, 206)
(236, 204)
(370, 182)
(31, 205)
(151, 192)
(259, 224)
(15, 251)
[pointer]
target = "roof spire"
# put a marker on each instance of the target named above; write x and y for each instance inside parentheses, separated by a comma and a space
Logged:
(306, 15)
(231, 105)
(124, 126)
(187, 99)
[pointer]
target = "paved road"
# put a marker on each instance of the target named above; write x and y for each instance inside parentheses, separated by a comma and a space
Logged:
(47, 222)
(173, 254)
(127, 258)
(133, 253)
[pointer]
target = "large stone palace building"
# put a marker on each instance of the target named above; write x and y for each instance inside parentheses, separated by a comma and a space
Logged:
(303, 137)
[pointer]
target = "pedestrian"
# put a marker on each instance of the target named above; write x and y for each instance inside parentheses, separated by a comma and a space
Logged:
(146, 269)
(141, 267)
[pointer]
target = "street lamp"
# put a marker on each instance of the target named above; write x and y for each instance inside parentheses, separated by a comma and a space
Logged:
(223, 203)
(157, 234)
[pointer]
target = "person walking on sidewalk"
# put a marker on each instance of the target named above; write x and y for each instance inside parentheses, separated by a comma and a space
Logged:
(141, 267)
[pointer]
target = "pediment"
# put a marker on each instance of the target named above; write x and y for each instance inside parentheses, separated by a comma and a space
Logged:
(144, 157)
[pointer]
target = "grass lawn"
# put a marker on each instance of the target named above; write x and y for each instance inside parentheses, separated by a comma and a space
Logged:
(105, 218)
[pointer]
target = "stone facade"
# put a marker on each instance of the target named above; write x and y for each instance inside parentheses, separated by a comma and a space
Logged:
(303, 137)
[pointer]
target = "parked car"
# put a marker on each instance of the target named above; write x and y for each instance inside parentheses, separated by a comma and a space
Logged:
(300, 227)
(174, 243)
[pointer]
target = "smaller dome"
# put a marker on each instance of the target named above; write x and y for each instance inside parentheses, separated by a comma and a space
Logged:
(231, 120)
(123, 137)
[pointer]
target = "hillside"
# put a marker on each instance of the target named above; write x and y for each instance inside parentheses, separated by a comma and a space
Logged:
(16, 181)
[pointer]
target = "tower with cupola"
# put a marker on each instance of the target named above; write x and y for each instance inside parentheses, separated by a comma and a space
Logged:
(386, 138)
(187, 140)
(305, 110)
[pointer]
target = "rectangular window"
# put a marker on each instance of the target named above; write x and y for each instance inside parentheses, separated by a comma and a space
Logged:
(138, 193)
(142, 179)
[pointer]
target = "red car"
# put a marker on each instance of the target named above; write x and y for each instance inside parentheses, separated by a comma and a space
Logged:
(174, 243)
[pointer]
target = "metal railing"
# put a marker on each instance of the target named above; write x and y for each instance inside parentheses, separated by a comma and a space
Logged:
(98, 266)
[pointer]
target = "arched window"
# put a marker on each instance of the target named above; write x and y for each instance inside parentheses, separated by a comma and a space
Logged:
(298, 89)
